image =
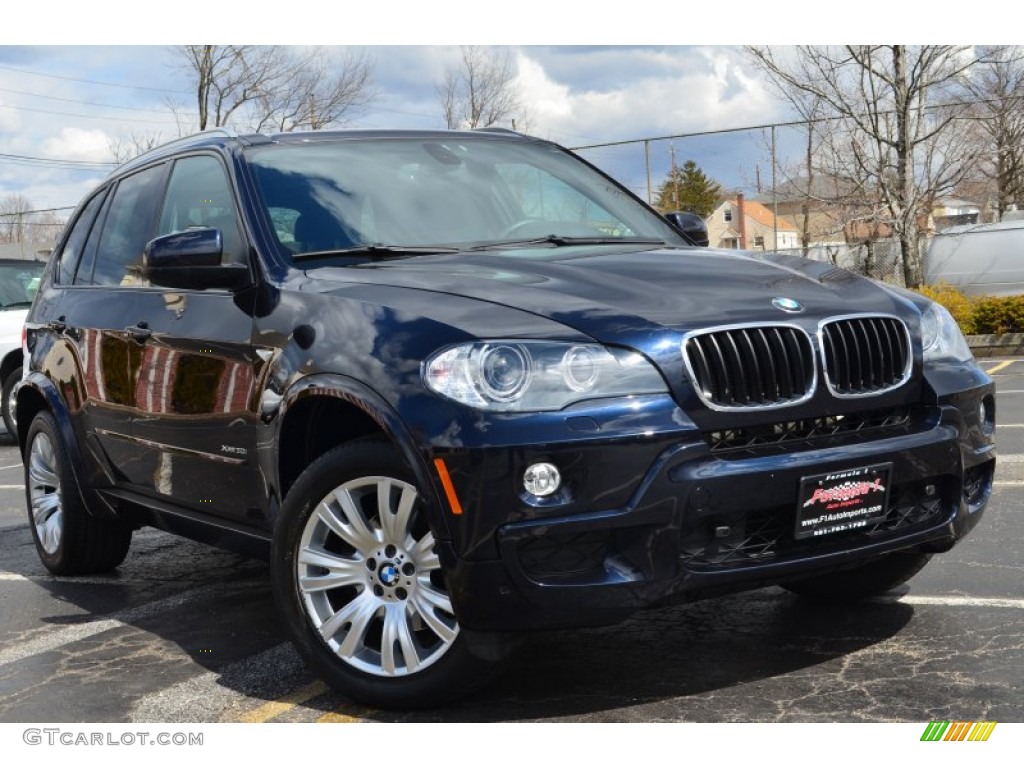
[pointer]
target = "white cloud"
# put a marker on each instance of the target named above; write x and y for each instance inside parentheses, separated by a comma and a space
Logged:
(79, 144)
(9, 120)
(681, 92)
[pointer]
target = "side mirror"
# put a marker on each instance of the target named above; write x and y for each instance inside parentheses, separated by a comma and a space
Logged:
(691, 225)
(191, 259)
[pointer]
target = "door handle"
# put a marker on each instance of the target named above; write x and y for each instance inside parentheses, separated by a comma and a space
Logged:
(58, 325)
(139, 332)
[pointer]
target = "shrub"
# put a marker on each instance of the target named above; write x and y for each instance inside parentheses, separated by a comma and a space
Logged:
(979, 314)
(999, 314)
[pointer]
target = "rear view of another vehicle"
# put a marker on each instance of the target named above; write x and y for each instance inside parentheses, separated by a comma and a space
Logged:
(19, 281)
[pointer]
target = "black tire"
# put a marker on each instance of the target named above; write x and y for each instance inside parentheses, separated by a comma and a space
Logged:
(69, 540)
(863, 581)
(7, 403)
(386, 590)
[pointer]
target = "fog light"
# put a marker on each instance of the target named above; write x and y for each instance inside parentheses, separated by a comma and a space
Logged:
(542, 479)
(987, 415)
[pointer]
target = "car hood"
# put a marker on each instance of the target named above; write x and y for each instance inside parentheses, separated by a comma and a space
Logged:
(631, 297)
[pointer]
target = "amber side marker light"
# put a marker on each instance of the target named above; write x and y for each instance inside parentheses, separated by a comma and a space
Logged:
(449, 489)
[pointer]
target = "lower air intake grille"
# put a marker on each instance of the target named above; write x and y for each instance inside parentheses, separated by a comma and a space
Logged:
(806, 434)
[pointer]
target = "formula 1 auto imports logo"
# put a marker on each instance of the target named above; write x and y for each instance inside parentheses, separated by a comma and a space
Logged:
(852, 489)
(958, 731)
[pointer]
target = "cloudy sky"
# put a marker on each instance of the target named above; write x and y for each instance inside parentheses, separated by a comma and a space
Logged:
(72, 104)
(63, 104)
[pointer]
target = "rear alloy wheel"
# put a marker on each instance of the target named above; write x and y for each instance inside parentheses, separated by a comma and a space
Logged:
(69, 540)
(7, 402)
(358, 578)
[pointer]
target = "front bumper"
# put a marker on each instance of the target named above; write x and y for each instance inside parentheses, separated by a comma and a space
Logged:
(700, 523)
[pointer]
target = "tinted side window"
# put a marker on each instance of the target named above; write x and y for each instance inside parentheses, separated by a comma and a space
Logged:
(128, 227)
(72, 252)
(199, 195)
(83, 275)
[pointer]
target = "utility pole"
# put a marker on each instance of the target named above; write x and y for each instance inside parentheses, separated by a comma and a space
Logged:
(775, 198)
(675, 177)
(647, 161)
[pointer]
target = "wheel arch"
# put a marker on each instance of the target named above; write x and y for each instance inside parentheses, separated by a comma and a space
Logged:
(37, 393)
(322, 411)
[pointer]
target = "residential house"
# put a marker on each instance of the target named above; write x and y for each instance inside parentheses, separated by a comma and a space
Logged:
(749, 225)
(951, 212)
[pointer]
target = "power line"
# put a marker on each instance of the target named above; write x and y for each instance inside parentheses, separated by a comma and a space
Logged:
(90, 117)
(93, 82)
(79, 101)
(39, 210)
(85, 165)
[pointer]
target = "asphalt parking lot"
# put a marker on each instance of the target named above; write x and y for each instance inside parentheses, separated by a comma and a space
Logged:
(184, 632)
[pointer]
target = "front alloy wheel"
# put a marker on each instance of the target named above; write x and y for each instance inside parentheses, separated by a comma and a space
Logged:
(360, 586)
(371, 581)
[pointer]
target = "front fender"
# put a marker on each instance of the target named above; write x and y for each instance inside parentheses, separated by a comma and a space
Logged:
(359, 395)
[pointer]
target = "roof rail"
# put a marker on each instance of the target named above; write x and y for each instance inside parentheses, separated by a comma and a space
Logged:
(224, 131)
(498, 129)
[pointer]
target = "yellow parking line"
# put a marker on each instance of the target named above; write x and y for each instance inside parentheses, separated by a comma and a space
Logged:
(1000, 367)
(338, 717)
(273, 709)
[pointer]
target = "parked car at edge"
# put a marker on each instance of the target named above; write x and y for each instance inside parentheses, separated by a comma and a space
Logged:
(19, 281)
(457, 386)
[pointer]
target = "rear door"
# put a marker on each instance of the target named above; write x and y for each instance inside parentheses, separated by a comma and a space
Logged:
(92, 352)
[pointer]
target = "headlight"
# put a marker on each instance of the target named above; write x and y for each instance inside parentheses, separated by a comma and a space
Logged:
(941, 337)
(537, 375)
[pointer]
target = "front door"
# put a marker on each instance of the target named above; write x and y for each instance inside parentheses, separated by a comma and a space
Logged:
(195, 411)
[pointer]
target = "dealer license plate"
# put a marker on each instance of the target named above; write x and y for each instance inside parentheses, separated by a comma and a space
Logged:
(842, 501)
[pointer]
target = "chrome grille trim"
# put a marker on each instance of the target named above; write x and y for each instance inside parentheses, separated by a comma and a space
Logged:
(753, 366)
(864, 355)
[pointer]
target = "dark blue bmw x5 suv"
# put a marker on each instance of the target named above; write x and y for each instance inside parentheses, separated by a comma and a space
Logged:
(456, 386)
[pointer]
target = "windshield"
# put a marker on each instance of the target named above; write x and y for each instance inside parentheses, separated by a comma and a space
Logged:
(463, 192)
(19, 282)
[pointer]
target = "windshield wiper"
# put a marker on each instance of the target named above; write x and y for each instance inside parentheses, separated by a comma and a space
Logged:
(377, 251)
(566, 240)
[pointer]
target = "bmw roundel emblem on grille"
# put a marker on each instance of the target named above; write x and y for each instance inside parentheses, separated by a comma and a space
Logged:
(787, 305)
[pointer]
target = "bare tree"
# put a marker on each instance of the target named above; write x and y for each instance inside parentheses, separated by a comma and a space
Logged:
(264, 86)
(316, 93)
(480, 91)
(997, 87)
(13, 224)
(896, 148)
(124, 149)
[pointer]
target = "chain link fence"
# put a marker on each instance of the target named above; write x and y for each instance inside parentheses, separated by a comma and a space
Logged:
(878, 259)
(31, 235)
(768, 165)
